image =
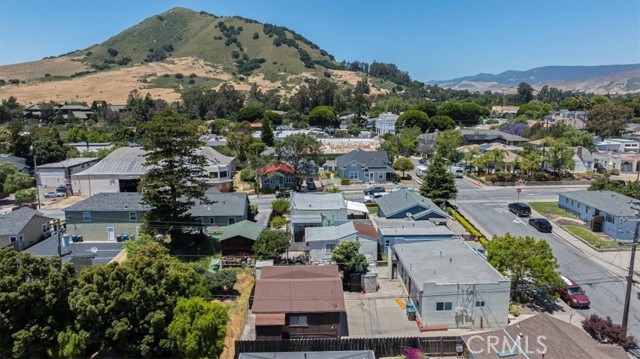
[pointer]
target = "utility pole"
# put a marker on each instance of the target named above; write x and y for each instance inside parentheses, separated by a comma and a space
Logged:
(627, 295)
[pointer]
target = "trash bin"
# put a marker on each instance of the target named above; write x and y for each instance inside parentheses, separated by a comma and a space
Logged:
(411, 311)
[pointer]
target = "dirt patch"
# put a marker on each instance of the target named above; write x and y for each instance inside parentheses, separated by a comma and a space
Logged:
(352, 78)
(64, 203)
(238, 312)
(27, 71)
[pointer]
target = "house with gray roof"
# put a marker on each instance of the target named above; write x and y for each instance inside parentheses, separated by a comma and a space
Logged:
(364, 166)
(221, 209)
(409, 204)
(106, 216)
(59, 173)
(23, 228)
(475, 136)
(614, 208)
(323, 240)
(450, 284)
(395, 231)
(19, 162)
(316, 210)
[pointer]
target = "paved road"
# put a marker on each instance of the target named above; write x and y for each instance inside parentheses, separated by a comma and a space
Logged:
(487, 207)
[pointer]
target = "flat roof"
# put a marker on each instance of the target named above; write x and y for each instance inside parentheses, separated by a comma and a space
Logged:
(316, 201)
(415, 231)
(105, 251)
(314, 234)
(446, 262)
(612, 203)
(349, 354)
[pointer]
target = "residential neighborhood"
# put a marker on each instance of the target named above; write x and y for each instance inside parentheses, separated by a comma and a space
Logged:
(203, 185)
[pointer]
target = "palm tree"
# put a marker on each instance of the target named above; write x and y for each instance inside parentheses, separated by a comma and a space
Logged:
(496, 157)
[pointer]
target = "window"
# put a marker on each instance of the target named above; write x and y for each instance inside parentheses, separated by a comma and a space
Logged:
(578, 204)
(288, 179)
(266, 180)
(298, 321)
(479, 303)
(13, 239)
(387, 243)
(199, 220)
(587, 209)
(353, 175)
(133, 216)
(609, 218)
(223, 174)
(232, 220)
(86, 216)
(329, 248)
(212, 220)
(45, 228)
(443, 306)
(213, 174)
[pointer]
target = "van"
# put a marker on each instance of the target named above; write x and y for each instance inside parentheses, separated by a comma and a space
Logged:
(458, 172)
(520, 209)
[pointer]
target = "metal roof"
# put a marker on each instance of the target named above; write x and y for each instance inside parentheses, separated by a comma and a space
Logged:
(122, 161)
(14, 222)
(111, 202)
(446, 262)
(69, 162)
(316, 201)
(222, 204)
(612, 203)
(481, 134)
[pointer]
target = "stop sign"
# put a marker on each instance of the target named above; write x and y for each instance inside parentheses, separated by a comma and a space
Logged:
(519, 190)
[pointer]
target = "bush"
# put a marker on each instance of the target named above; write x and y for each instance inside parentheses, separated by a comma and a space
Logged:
(345, 181)
(514, 310)
(604, 331)
(280, 206)
(222, 281)
(540, 176)
(278, 222)
(247, 175)
(179, 75)
(614, 171)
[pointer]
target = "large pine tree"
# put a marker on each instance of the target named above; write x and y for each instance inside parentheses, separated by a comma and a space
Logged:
(438, 184)
(175, 175)
(266, 134)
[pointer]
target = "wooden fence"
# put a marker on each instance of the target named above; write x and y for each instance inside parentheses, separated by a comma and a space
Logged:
(393, 346)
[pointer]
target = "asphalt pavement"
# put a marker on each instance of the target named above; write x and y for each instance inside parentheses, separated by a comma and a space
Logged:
(486, 207)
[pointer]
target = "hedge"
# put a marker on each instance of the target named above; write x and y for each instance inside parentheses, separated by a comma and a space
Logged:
(468, 226)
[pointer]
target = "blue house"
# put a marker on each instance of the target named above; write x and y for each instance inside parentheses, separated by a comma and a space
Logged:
(364, 166)
(396, 231)
(619, 217)
(404, 203)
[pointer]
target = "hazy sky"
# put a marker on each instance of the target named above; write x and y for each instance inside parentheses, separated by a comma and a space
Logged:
(431, 39)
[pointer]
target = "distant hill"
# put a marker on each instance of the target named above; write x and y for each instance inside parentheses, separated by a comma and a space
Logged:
(597, 79)
(179, 48)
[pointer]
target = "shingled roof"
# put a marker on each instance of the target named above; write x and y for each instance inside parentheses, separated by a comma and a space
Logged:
(366, 159)
(12, 223)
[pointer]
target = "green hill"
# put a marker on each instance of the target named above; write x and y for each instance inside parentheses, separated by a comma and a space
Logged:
(240, 46)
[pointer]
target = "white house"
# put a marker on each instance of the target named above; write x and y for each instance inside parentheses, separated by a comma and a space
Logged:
(59, 173)
(450, 284)
(323, 240)
(618, 145)
(316, 210)
(385, 123)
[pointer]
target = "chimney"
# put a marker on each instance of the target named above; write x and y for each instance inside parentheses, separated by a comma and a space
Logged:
(440, 254)
(450, 260)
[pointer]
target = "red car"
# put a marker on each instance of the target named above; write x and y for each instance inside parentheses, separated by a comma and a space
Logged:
(29, 205)
(574, 295)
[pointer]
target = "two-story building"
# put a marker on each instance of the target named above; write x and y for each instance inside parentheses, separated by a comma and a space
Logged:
(450, 284)
(618, 145)
(221, 209)
(316, 210)
(385, 123)
(59, 173)
(105, 216)
(615, 208)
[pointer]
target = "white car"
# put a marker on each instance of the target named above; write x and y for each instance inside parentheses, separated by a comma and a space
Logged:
(403, 187)
(54, 195)
(372, 197)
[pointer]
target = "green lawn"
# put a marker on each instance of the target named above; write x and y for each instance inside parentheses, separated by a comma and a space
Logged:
(551, 208)
(373, 211)
(593, 239)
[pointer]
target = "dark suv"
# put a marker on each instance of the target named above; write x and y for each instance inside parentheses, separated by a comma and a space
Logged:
(62, 189)
(374, 189)
(520, 209)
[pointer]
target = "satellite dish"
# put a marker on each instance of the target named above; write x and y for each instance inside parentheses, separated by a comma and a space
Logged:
(94, 250)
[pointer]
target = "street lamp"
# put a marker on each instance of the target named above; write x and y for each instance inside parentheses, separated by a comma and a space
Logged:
(37, 176)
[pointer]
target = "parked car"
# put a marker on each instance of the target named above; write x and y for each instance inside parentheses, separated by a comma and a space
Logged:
(372, 197)
(541, 224)
(520, 209)
(573, 294)
(311, 185)
(403, 187)
(23, 205)
(423, 161)
(374, 189)
(458, 172)
(62, 189)
(283, 194)
(54, 195)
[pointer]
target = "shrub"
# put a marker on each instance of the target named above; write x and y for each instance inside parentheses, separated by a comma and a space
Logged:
(614, 171)
(345, 181)
(247, 175)
(192, 75)
(278, 222)
(514, 310)
(222, 281)
(540, 176)
(256, 35)
(604, 331)
(179, 75)
(280, 206)
(491, 178)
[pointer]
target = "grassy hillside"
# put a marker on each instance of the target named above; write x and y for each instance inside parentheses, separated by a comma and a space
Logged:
(237, 45)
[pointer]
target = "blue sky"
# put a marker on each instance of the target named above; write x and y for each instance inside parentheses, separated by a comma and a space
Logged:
(431, 39)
